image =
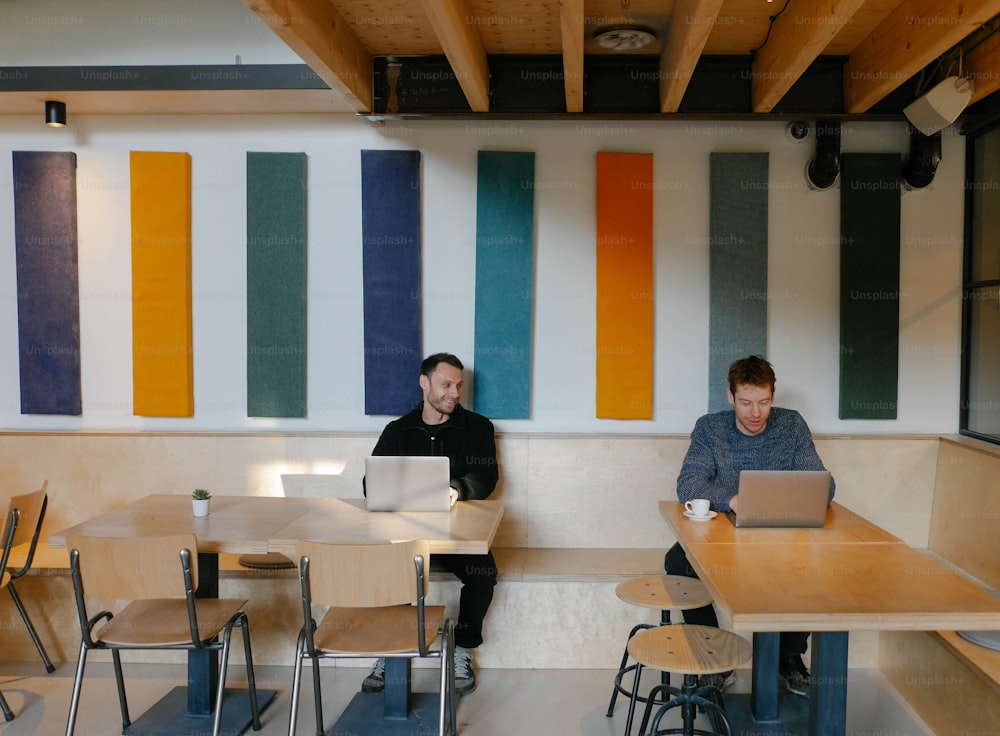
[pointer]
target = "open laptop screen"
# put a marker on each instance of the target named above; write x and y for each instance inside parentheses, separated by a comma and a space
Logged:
(407, 483)
(782, 498)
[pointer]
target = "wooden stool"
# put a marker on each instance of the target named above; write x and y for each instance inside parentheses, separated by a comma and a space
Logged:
(691, 651)
(666, 593)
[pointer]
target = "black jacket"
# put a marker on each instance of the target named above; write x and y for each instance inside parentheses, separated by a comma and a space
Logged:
(466, 438)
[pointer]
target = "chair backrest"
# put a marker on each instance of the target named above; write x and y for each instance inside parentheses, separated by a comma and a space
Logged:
(133, 569)
(6, 542)
(31, 507)
(362, 575)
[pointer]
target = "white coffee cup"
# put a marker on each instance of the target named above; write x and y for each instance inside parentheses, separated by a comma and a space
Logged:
(697, 507)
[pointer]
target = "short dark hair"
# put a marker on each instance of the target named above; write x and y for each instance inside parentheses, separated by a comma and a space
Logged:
(431, 362)
(751, 371)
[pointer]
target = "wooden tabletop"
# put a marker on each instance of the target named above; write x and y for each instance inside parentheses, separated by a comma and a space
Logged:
(259, 524)
(839, 587)
(235, 524)
(469, 528)
(842, 526)
(849, 575)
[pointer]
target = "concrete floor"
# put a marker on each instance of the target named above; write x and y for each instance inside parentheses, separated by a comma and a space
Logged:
(518, 702)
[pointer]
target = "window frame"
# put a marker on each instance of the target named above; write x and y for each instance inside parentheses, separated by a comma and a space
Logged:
(970, 286)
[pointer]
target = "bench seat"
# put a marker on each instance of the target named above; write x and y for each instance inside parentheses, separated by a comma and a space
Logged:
(516, 564)
(979, 659)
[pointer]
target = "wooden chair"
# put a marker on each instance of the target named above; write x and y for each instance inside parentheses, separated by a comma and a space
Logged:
(29, 509)
(376, 597)
(691, 651)
(158, 578)
(666, 593)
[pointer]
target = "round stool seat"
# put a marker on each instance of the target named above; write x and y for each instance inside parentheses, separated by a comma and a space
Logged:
(664, 592)
(689, 649)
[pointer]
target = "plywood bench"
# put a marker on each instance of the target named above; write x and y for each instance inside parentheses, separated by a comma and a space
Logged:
(952, 683)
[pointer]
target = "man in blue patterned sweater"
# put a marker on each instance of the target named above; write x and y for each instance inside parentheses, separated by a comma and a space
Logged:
(754, 435)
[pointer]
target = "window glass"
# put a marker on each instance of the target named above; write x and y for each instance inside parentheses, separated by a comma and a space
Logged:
(983, 394)
(985, 255)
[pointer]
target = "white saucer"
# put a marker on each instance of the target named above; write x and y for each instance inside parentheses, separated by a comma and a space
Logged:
(692, 517)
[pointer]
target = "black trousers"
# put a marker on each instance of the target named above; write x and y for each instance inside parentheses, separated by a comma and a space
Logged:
(676, 563)
(478, 574)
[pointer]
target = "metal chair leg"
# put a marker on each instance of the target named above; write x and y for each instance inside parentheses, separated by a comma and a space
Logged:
(120, 682)
(74, 702)
(318, 696)
(49, 667)
(251, 679)
(296, 685)
(8, 714)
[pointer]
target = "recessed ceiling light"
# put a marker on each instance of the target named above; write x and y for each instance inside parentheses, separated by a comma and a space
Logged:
(625, 38)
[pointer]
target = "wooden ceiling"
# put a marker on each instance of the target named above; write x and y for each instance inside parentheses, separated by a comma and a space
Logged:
(709, 58)
(882, 44)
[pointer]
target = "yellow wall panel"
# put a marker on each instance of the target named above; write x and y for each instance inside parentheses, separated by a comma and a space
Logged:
(162, 365)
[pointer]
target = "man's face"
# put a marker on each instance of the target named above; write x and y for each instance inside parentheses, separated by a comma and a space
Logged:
(442, 388)
(752, 405)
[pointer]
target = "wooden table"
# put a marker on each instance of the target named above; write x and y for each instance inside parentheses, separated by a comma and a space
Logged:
(258, 524)
(829, 582)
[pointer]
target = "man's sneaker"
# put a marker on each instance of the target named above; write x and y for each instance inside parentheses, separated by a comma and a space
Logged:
(465, 676)
(794, 676)
(719, 680)
(375, 682)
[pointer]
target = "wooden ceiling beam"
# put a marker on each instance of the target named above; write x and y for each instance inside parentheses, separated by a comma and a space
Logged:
(982, 66)
(796, 40)
(571, 20)
(691, 23)
(315, 31)
(464, 48)
(911, 37)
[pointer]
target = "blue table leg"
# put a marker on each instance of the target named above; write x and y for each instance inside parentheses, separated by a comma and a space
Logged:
(828, 695)
(203, 666)
(397, 687)
(764, 676)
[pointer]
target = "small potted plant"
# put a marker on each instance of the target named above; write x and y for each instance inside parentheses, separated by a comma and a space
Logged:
(199, 501)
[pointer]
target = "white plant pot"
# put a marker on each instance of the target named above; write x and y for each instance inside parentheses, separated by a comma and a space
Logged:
(199, 506)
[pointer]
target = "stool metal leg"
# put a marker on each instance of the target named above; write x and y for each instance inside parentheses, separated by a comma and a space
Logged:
(689, 698)
(664, 676)
(634, 698)
(621, 669)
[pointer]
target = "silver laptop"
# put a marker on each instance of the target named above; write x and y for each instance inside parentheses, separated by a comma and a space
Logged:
(407, 483)
(782, 498)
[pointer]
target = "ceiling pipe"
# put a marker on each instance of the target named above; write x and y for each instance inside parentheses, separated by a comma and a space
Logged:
(922, 159)
(824, 168)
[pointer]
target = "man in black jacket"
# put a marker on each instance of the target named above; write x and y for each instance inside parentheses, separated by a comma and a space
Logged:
(441, 426)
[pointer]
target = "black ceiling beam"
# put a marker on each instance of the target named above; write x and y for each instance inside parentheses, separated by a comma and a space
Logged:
(158, 78)
(614, 85)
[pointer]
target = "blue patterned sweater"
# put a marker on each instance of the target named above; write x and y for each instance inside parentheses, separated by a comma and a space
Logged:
(719, 451)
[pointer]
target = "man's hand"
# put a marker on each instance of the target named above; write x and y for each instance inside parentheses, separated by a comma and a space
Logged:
(734, 502)
(453, 495)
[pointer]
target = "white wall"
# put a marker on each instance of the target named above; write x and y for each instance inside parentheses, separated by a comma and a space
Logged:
(113, 32)
(802, 271)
